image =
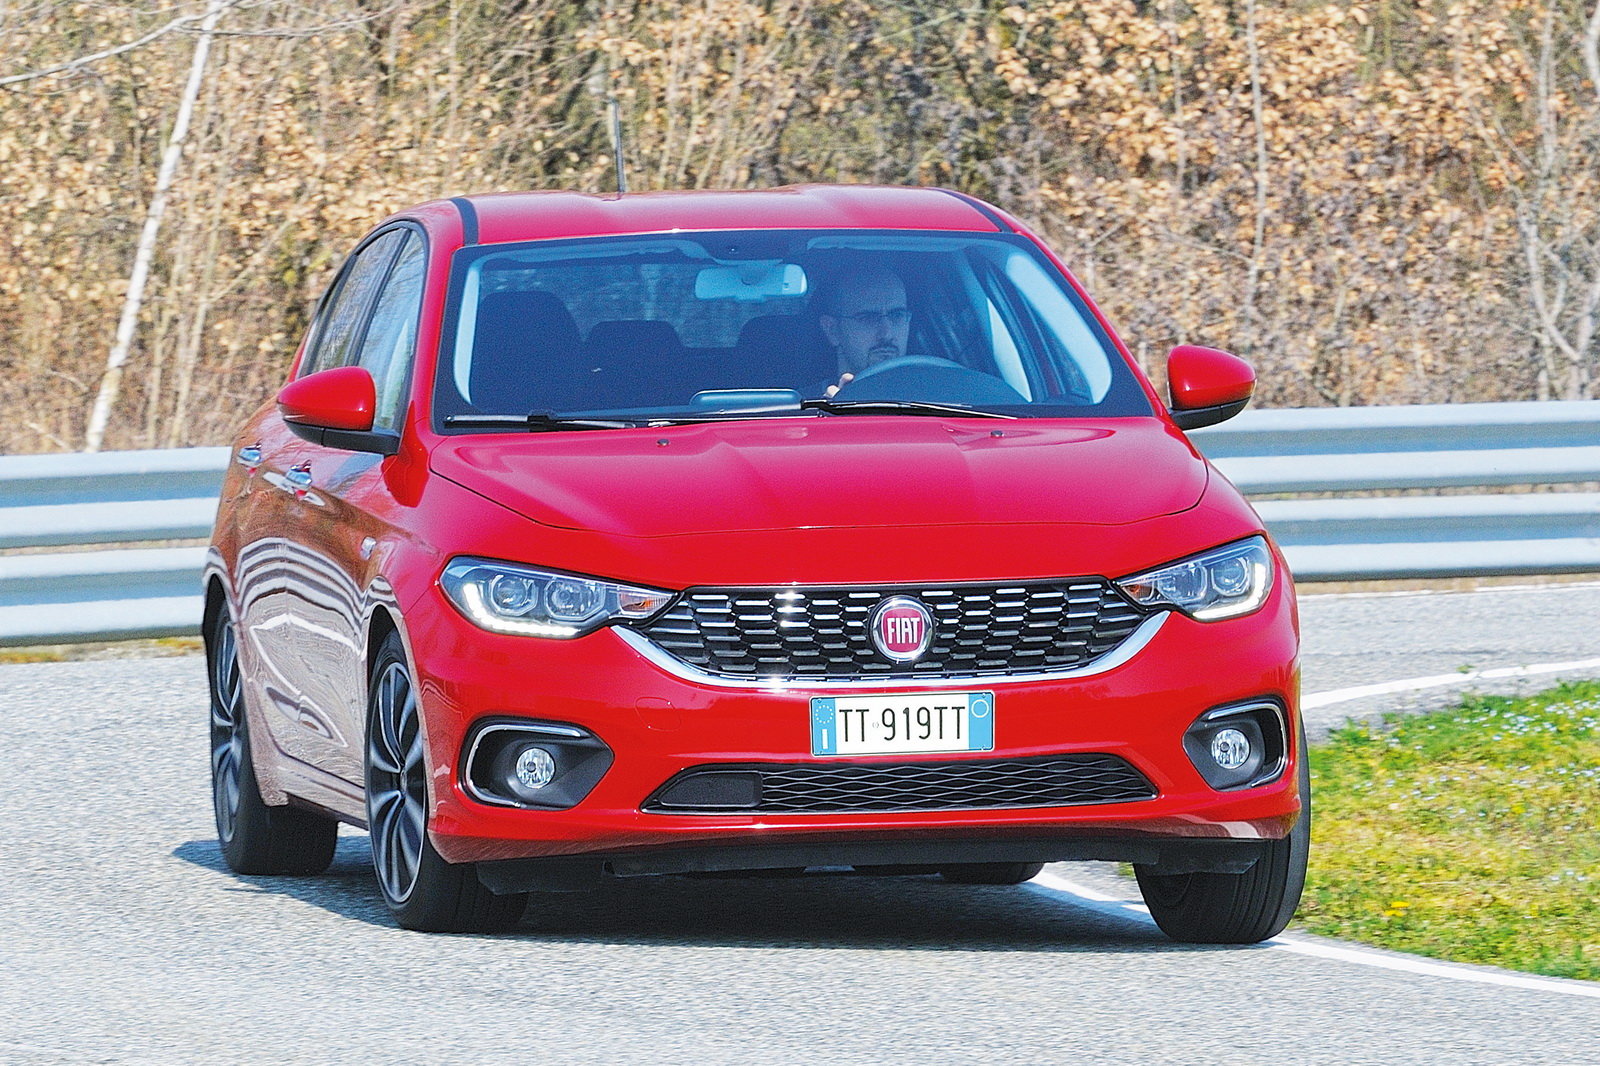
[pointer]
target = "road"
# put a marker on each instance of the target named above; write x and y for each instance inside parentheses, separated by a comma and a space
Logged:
(1351, 642)
(126, 940)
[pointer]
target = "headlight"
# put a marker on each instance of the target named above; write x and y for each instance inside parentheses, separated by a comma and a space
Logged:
(1221, 583)
(506, 598)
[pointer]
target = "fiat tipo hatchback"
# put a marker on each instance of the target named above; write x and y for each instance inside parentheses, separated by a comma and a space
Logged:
(757, 531)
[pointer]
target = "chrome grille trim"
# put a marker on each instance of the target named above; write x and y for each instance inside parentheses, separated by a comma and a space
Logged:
(1125, 651)
(817, 634)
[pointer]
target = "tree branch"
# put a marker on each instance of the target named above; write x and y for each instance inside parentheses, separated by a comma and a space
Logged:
(89, 60)
(1591, 51)
(314, 31)
(110, 381)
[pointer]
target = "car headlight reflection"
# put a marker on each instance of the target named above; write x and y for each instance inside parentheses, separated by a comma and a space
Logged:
(1224, 582)
(524, 601)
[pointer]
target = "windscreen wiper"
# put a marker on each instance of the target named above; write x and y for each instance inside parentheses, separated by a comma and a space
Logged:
(742, 415)
(537, 421)
(898, 407)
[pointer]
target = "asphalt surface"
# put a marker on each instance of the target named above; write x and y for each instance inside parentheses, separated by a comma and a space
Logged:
(123, 938)
(1350, 641)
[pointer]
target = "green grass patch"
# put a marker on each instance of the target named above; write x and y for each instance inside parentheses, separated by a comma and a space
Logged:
(1470, 834)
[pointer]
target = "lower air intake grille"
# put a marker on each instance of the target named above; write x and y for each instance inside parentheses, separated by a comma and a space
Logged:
(841, 788)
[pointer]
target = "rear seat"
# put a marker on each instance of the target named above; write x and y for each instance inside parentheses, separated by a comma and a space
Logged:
(638, 363)
(781, 352)
(526, 356)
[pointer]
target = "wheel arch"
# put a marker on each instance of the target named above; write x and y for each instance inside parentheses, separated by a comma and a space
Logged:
(216, 600)
(380, 623)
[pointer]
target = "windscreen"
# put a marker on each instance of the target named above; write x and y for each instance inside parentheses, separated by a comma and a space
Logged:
(639, 328)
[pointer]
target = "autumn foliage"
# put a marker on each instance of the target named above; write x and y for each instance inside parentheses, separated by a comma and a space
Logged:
(1378, 202)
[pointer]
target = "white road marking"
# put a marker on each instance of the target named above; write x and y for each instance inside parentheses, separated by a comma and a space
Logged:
(1104, 904)
(1485, 590)
(1386, 688)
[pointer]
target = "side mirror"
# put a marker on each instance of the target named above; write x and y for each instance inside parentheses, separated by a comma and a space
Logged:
(335, 408)
(1207, 386)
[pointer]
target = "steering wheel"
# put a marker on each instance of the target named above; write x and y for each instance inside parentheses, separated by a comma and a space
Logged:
(906, 360)
(931, 379)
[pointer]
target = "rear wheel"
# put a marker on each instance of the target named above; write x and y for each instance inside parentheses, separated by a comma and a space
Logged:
(422, 890)
(255, 838)
(1213, 908)
(991, 873)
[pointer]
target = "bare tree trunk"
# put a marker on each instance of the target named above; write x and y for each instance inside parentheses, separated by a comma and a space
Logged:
(1176, 51)
(111, 380)
(1591, 51)
(1257, 244)
(192, 339)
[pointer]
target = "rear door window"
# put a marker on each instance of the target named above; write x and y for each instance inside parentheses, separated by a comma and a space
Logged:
(338, 328)
(390, 341)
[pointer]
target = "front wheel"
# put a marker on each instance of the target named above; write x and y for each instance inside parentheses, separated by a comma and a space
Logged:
(1213, 908)
(423, 891)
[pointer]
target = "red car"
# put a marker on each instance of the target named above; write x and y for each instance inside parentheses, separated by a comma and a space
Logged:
(746, 531)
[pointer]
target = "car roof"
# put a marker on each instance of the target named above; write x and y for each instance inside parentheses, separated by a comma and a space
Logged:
(520, 216)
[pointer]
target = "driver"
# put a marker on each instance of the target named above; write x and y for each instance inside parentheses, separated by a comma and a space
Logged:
(863, 315)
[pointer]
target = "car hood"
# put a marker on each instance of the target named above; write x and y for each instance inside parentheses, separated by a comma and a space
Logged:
(842, 471)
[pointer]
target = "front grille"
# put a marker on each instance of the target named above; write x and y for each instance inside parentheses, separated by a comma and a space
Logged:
(842, 788)
(821, 633)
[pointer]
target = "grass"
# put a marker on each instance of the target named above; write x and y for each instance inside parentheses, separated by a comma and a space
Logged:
(1469, 834)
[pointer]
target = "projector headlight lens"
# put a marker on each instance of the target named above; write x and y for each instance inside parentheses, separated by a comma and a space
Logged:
(525, 601)
(1225, 582)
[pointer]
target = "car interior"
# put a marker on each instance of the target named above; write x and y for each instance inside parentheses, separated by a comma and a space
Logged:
(547, 335)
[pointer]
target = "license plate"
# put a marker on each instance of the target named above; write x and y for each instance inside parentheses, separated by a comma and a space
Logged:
(914, 723)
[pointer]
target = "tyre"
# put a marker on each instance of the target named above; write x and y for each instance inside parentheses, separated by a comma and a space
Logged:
(1212, 908)
(991, 873)
(423, 891)
(255, 838)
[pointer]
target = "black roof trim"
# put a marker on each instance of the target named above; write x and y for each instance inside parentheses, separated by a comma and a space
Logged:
(469, 219)
(982, 208)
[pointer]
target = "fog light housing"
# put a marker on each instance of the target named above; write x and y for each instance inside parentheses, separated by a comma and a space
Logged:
(514, 762)
(1239, 746)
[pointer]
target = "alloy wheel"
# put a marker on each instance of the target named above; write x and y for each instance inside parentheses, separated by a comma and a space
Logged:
(227, 730)
(397, 787)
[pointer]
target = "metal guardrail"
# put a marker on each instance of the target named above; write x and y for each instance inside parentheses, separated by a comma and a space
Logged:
(113, 498)
(1446, 446)
(123, 498)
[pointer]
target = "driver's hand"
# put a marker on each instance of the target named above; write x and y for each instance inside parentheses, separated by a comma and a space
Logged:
(833, 390)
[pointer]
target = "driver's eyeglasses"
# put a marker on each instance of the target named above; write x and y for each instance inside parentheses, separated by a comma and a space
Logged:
(895, 317)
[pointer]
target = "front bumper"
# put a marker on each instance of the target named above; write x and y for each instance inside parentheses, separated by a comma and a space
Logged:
(658, 724)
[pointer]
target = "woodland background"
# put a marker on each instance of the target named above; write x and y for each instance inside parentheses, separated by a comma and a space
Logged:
(1391, 201)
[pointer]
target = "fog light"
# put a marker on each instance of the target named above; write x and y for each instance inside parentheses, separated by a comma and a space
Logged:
(535, 768)
(1230, 748)
(1241, 745)
(546, 766)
